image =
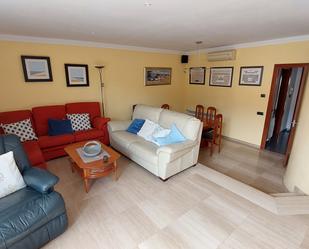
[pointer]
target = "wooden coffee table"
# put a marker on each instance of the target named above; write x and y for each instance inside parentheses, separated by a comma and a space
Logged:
(95, 169)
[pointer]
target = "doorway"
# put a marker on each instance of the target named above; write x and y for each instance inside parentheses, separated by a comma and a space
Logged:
(283, 107)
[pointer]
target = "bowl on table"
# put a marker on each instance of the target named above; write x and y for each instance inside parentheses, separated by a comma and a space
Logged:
(92, 149)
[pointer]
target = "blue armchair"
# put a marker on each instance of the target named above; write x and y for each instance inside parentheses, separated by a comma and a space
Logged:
(34, 215)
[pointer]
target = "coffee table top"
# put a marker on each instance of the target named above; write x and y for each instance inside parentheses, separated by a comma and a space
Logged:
(99, 164)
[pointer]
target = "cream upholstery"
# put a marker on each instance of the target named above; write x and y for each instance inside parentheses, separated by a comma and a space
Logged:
(162, 161)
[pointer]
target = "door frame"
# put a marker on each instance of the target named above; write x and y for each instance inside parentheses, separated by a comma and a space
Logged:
(303, 80)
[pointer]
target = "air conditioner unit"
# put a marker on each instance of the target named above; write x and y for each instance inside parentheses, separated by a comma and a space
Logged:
(227, 55)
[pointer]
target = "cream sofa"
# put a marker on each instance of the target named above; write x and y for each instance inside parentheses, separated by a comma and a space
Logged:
(161, 161)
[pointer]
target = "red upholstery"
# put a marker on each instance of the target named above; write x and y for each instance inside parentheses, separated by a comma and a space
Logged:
(14, 116)
(93, 108)
(52, 141)
(34, 153)
(88, 135)
(41, 115)
(49, 147)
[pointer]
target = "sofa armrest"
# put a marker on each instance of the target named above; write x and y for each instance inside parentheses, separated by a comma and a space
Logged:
(39, 179)
(118, 125)
(173, 148)
(100, 122)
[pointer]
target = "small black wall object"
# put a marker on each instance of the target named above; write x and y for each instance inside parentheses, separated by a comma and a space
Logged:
(184, 59)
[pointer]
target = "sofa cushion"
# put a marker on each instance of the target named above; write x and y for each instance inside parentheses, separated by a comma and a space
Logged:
(145, 150)
(147, 112)
(14, 116)
(173, 137)
(88, 135)
(79, 121)
(52, 141)
(34, 153)
(135, 126)
(125, 138)
(93, 108)
(10, 177)
(188, 126)
(43, 113)
(59, 127)
(23, 129)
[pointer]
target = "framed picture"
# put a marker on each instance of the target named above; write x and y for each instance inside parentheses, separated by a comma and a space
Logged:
(221, 76)
(155, 76)
(251, 76)
(76, 75)
(36, 68)
(197, 75)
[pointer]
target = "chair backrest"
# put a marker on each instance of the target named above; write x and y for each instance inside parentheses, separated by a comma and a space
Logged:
(12, 143)
(199, 112)
(218, 125)
(165, 106)
(210, 114)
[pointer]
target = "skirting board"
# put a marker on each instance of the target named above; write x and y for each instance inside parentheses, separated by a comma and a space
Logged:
(280, 204)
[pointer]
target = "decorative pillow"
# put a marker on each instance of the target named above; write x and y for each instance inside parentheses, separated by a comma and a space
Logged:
(80, 121)
(10, 177)
(59, 127)
(161, 132)
(136, 125)
(173, 137)
(23, 129)
(147, 130)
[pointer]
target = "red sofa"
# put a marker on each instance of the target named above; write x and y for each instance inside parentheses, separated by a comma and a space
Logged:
(49, 147)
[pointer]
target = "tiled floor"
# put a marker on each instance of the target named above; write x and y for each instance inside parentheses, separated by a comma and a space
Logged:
(187, 211)
(260, 169)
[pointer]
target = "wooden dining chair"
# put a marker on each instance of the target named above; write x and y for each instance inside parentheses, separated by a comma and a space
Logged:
(199, 112)
(210, 114)
(213, 137)
(165, 106)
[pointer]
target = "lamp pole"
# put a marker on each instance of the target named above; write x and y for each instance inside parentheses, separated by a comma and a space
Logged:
(100, 69)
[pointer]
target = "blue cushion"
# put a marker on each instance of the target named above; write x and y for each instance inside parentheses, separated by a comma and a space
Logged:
(173, 137)
(59, 127)
(136, 125)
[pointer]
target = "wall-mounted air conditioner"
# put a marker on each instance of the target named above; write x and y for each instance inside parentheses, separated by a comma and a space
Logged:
(227, 55)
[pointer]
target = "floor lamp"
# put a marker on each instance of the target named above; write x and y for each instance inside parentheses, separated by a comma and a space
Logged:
(100, 69)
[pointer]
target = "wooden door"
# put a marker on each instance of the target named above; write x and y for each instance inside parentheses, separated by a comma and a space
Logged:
(279, 111)
(271, 100)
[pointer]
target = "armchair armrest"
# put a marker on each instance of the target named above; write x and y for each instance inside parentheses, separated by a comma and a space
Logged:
(118, 125)
(173, 148)
(100, 122)
(39, 179)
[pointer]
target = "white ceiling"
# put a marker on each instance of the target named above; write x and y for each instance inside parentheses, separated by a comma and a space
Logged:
(167, 24)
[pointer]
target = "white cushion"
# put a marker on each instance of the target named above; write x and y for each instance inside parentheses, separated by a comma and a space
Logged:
(147, 130)
(188, 126)
(147, 112)
(145, 150)
(79, 121)
(10, 177)
(23, 129)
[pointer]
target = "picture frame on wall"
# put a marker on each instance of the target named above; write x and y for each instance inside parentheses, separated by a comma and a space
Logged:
(155, 76)
(221, 76)
(197, 75)
(76, 75)
(36, 68)
(251, 76)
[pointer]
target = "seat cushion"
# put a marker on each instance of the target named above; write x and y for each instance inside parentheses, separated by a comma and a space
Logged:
(125, 138)
(41, 115)
(88, 135)
(52, 141)
(145, 150)
(26, 210)
(34, 153)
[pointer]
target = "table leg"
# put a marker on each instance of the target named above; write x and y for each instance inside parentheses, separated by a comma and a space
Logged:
(86, 181)
(115, 170)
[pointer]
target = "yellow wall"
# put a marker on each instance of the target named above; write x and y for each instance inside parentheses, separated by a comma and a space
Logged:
(239, 104)
(123, 77)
